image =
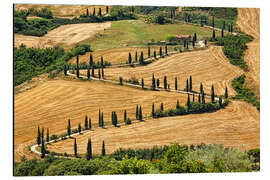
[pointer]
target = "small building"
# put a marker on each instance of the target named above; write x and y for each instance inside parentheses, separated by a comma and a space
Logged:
(182, 38)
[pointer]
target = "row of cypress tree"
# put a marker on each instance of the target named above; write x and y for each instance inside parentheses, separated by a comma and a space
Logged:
(99, 11)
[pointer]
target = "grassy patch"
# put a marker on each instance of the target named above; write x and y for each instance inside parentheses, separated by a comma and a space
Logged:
(138, 33)
(244, 93)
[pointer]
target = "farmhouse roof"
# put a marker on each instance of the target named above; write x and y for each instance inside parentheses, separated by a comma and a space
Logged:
(182, 36)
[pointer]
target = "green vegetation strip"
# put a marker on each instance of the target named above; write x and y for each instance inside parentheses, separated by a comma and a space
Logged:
(244, 93)
(156, 160)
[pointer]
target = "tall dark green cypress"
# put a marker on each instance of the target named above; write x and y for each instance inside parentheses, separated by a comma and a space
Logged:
(155, 54)
(48, 136)
(38, 136)
(99, 118)
(212, 94)
(213, 35)
(107, 9)
(87, 12)
(190, 83)
(91, 62)
(199, 98)
(129, 58)
(68, 128)
(88, 73)
(102, 73)
(223, 27)
(161, 107)
(125, 116)
(175, 83)
(89, 150)
(43, 149)
(149, 52)
(193, 42)
(201, 88)
(166, 50)
(141, 58)
(103, 151)
(77, 67)
(203, 98)
(120, 80)
(153, 82)
(94, 12)
(86, 126)
(112, 117)
(137, 112)
(65, 70)
(79, 128)
(93, 71)
(90, 124)
(101, 61)
(177, 104)
(153, 110)
(195, 37)
(193, 98)
(157, 83)
(102, 120)
(222, 32)
(42, 134)
(165, 82)
(136, 56)
(99, 75)
(226, 93)
(220, 101)
(188, 103)
(187, 87)
(140, 113)
(99, 12)
(75, 148)
(160, 51)
(142, 83)
(213, 22)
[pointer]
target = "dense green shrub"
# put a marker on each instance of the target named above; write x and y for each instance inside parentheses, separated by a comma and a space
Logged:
(44, 12)
(244, 93)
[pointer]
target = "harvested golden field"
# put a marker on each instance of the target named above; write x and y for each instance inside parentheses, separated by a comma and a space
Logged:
(66, 35)
(208, 66)
(62, 10)
(235, 126)
(52, 103)
(249, 22)
(117, 55)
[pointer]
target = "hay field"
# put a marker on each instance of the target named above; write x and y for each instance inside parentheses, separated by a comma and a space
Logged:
(249, 22)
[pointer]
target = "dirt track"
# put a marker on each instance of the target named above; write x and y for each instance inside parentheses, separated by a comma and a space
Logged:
(51, 103)
(66, 35)
(206, 66)
(236, 126)
(249, 22)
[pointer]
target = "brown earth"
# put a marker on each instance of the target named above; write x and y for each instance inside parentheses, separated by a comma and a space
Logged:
(52, 103)
(66, 35)
(208, 66)
(63, 10)
(235, 126)
(249, 22)
(117, 55)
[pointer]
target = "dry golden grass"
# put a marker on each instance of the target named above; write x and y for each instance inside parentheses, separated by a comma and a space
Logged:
(52, 103)
(249, 22)
(208, 66)
(235, 126)
(66, 35)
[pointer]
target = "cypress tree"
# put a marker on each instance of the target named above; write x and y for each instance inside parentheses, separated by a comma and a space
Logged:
(157, 83)
(149, 52)
(79, 128)
(223, 27)
(142, 83)
(129, 58)
(188, 102)
(195, 37)
(177, 104)
(220, 101)
(199, 98)
(222, 33)
(226, 93)
(175, 83)
(160, 51)
(107, 9)
(203, 99)
(141, 58)
(88, 73)
(38, 136)
(65, 70)
(93, 71)
(75, 148)
(69, 128)
(87, 12)
(193, 98)
(101, 61)
(91, 61)
(90, 124)
(99, 12)
(153, 110)
(102, 120)
(187, 85)
(120, 80)
(190, 83)
(86, 123)
(229, 28)
(166, 50)
(77, 67)
(103, 152)
(212, 94)
(94, 12)
(193, 42)
(140, 113)
(214, 35)
(99, 75)
(136, 56)
(171, 14)
(137, 112)
(115, 118)
(43, 149)
(155, 54)
(161, 107)
(42, 134)
(201, 88)
(125, 116)
(48, 136)
(113, 122)
(205, 42)
(89, 150)
(165, 82)
(153, 82)
(102, 73)
(99, 118)
(213, 22)
(185, 43)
